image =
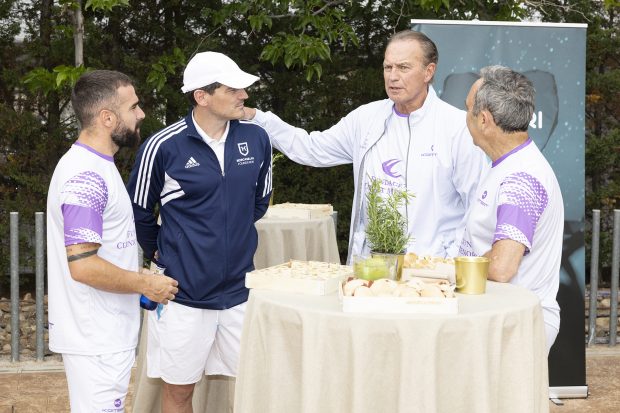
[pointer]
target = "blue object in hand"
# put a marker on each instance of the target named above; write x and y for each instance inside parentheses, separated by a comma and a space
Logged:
(146, 302)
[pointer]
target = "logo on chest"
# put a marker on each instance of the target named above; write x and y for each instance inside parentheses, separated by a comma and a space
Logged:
(429, 154)
(388, 167)
(244, 150)
(191, 163)
(482, 197)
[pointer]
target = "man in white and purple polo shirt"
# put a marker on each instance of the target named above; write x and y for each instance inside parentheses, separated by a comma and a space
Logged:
(93, 269)
(517, 220)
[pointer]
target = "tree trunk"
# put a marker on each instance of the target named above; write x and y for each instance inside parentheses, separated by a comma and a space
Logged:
(53, 101)
(78, 34)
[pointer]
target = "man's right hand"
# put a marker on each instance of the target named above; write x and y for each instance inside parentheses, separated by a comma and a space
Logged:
(248, 113)
(160, 288)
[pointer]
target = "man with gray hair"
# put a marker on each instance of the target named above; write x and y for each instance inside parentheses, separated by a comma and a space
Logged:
(517, 219)
(410, 141)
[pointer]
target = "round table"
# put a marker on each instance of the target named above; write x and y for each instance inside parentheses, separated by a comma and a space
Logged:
(282, 239)
(303, 354)
(279, 240)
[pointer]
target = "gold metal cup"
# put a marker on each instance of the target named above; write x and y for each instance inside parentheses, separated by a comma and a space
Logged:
(471, 274)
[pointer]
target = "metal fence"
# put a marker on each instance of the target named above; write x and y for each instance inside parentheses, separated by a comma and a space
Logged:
(39, 284)
(594, 311)
(594, 295)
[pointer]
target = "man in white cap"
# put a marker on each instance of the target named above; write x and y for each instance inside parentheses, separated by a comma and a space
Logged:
(210, 176)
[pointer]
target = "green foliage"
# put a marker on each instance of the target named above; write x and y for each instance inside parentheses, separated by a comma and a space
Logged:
(40, 80)
(610, 4)
(386, 229)
(105, 5)
(297, 51)
(601, 153)
(27, 159)
(68, 75)
(259, 20)
(167, 64)
(603, 125)
(69, 4)
(301, 33)
(9, 26)
(435, 4)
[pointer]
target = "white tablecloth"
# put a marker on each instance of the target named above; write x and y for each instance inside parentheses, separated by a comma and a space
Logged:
(302, 354)
(279, 240)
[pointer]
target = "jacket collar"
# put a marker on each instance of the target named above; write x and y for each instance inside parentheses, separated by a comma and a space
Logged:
(376, 129)
(191, 128)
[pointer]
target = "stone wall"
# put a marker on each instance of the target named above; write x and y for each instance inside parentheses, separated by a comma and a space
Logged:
(27, 327)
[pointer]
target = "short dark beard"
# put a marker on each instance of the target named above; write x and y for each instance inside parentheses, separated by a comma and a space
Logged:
(124, 137)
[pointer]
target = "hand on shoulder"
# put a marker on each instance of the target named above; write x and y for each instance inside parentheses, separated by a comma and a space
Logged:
(248, 113)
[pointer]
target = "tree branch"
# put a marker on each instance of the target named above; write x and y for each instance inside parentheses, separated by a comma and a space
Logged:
(327, 5)
(542, 5)
(319, 11)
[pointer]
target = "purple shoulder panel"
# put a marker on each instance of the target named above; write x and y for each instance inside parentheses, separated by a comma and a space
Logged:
(522, 200)
(86, 196)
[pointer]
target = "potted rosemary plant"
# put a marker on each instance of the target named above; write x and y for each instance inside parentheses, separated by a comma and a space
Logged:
(386, 229)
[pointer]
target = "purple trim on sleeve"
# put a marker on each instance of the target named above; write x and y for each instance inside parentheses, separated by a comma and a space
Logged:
(88, 148)
(516, 217)
(402, 115)
(85, 197)
(506, 155)
(81, 224)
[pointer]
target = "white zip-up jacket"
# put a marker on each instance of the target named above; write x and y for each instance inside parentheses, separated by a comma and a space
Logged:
(444, 166)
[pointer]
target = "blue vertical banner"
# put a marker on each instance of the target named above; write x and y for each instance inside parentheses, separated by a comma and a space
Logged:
(552, 56)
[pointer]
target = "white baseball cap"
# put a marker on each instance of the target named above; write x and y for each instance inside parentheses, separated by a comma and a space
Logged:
(209, 67)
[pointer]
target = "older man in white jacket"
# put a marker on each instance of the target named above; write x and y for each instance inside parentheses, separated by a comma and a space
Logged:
(413, 141)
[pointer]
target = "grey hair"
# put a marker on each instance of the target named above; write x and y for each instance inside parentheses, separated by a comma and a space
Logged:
(94, 91)
(508, 96)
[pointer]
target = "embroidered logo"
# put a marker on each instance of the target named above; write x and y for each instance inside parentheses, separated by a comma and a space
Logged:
(387, 168)
(243, 148)
(191, 163)
(117, 407)
(482, 197)
(431, 153)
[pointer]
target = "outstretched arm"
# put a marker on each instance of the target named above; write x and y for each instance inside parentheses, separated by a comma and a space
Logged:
(331, 147)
